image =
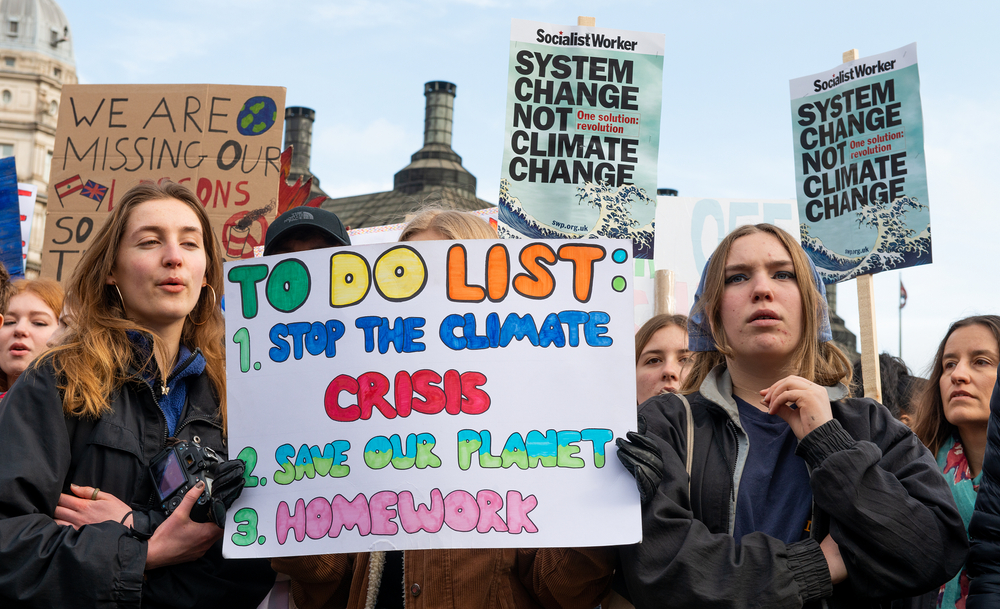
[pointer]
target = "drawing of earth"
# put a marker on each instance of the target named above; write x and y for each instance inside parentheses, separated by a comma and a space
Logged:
(257, 115)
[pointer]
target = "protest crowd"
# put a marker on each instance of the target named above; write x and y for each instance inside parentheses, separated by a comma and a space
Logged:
(763, 481)
(759, 469)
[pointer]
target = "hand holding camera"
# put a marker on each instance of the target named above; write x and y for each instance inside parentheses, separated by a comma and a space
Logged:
(181, 467)
(195, 487)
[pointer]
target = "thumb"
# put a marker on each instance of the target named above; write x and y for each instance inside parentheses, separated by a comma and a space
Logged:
(184, 509)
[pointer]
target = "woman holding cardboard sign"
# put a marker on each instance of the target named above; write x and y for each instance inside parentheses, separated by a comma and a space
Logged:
(84, 522)
(763, 483)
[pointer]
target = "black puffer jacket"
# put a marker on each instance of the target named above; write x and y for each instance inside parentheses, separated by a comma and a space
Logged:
(43, 564)
(984, 557)
(875, 488)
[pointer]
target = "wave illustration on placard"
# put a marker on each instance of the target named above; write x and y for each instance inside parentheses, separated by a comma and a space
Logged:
(895, 246)
(613, 222)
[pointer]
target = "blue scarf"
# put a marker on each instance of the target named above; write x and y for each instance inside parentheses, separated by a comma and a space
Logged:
(172, 401)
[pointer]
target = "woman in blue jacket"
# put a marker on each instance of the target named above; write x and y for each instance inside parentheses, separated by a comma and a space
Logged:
(797, 493)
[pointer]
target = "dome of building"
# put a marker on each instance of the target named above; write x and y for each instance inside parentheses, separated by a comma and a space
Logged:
(36, 25)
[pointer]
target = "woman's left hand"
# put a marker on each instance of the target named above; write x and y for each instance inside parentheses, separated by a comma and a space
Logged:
(82, 508)
(804, 405)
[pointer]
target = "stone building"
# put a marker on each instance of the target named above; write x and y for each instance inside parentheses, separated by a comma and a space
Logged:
(36, 60)
(435, 174)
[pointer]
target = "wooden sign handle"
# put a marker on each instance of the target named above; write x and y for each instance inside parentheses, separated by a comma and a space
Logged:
(663, 288)
(870, 372)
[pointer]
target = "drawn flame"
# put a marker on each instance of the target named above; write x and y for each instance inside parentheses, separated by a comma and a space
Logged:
(294, 195)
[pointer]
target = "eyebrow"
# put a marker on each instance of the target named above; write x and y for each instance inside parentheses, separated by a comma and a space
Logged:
(158, 229)
(733, 268)
(975, 353)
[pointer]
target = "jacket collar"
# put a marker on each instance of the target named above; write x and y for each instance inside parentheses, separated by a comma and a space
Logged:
(718, 389)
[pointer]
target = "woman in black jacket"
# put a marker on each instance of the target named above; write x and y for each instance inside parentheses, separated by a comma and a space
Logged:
(796, 493)
(80, 522)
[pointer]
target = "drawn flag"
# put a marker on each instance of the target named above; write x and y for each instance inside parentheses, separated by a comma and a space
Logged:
(68, 186)
(95, 191)
(902, 295)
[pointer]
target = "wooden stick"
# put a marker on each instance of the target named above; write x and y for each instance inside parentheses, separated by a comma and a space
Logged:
(586, 21)
(663, 287)
(870, 372)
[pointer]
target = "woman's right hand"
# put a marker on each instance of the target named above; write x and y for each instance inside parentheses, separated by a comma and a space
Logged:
(180, 539)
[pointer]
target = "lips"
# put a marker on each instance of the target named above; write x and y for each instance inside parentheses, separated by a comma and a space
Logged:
(763, 317)
(19, 349)
(959, 394)
(172, 284)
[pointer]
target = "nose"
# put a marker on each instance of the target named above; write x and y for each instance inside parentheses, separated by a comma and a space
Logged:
(762, 289)
(21, 327)
(960, 373)
(172, 255)
(671, 370)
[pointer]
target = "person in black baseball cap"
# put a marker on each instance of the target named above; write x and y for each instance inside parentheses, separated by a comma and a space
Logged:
(305, 228)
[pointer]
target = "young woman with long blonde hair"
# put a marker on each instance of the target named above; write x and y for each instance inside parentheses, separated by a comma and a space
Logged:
(142, 367)
(774, 488)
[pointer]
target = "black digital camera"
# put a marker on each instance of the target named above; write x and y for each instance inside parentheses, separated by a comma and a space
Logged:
(179, 468)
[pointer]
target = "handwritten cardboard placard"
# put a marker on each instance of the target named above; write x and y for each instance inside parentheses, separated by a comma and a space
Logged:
(860, 173)
(222, 141)
(688, 229)
(431, 395)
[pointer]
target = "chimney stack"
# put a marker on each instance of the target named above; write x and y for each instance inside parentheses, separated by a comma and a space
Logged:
(298, 134)
(436, 164)
(438, 114)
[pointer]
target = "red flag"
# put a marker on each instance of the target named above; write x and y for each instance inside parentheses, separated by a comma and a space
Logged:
(902, 295)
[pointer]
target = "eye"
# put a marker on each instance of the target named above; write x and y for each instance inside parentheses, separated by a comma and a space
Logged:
(737, 278)
(982, 361)
(685, 359)
(784, 275)
(148, 242)
(41, 324)
(653, 360)
(948, 365)
(9, 321)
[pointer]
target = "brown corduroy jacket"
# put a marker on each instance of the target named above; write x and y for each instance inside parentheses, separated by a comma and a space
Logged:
(452, 579)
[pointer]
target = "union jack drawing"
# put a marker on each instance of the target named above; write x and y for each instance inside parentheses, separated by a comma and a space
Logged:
(94, 191)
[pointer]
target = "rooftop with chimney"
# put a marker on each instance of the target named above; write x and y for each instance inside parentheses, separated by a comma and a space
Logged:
(435, 174)
(298, 135)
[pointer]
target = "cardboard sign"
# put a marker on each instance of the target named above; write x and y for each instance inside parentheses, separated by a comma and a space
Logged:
(582, 134)
(688, 229)
(10, 219)
(861, 179)
(222, 141)
(434, 394)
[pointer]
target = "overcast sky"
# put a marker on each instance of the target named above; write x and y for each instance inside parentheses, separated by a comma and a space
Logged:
(726, 125)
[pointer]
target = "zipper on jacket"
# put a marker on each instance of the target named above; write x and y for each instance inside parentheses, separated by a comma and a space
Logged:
(151, 501)
(732, 472)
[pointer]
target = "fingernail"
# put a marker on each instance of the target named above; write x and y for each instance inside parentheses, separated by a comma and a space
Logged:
(200, 485)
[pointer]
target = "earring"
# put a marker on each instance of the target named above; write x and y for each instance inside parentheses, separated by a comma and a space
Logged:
(203, 322)
(121, 298)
